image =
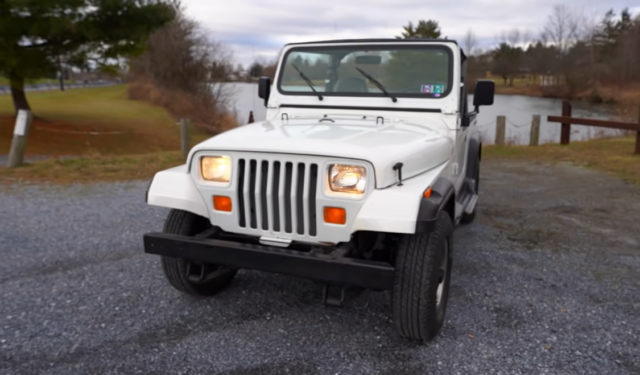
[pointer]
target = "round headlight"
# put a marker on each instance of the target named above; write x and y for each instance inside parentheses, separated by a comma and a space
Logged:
(347, 178)
(215, 168)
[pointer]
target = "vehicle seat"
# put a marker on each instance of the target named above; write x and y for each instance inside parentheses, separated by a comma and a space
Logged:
(351, 84)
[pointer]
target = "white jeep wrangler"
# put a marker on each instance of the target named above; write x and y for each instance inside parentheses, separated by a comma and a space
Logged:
(367, 160)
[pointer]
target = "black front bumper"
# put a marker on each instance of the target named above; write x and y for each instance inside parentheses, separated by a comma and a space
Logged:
(321, 267)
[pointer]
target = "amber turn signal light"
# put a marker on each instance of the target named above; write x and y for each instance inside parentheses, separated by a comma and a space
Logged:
(335, 215)
(221, 203)
(427, 193)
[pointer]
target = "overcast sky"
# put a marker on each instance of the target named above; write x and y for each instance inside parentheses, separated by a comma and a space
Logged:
(255, 28)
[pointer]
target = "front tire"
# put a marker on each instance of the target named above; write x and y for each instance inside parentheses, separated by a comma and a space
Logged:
(192, 278)
(423, 273)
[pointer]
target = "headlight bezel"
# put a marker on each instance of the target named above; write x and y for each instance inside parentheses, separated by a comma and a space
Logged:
(335, 169)
(218, 182)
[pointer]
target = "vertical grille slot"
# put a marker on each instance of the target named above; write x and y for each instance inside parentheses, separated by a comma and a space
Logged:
(264, 177)
(275, 206)
(301, 189)
(277, 196)
(241, 214)
(287, 196)
(251, 194)
(313, 183)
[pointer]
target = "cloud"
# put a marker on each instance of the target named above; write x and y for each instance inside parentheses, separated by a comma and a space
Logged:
(255, 28)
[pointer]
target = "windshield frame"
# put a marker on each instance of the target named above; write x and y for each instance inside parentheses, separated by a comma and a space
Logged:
(370, 47)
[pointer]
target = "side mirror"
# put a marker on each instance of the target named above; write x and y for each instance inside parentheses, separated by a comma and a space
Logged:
(484, 93)
(264, 89)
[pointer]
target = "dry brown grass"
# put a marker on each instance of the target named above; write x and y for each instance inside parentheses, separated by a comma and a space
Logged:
(200, 110)
(91, 170)
(92, 121)
(613, 156)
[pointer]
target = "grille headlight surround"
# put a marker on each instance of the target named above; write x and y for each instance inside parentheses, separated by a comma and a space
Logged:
(215, 168)
(348, 178)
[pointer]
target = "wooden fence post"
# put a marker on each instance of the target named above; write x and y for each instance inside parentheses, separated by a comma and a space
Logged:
(251, 120)
(565, 132)
(19, 142)
(638, 135)
(501, 130)
(184, 137)
(534, 137)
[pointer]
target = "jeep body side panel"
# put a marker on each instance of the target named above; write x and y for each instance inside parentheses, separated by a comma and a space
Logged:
(395, 209)
(442, 194)
(174, 188)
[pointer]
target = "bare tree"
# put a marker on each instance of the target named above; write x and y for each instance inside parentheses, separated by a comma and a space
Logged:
(470, 42)
(561, 28)
(588, 22)
(185, 69)
(527, 38)
(513, 37)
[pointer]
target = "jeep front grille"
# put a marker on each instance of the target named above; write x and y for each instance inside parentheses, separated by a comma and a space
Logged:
(278, 196)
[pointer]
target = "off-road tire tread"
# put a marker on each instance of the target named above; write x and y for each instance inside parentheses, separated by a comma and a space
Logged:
(414, 314)
(175, 269)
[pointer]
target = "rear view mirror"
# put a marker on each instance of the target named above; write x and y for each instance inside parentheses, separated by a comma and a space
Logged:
(484, 93)
(369, 60)
(264, 89)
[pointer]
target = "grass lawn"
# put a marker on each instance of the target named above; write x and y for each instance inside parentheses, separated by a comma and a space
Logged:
(92, 121)
(613, 156)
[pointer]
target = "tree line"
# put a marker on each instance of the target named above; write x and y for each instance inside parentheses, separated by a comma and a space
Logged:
(579, 52)
(574, 52)
(166, 54)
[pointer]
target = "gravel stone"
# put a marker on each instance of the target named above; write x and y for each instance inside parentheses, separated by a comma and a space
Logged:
(546, 281)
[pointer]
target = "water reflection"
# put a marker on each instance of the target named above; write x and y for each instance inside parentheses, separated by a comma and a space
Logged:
(518, 110)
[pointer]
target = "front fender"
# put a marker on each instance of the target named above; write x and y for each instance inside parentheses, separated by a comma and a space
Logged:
(174, 188)
(396, 209)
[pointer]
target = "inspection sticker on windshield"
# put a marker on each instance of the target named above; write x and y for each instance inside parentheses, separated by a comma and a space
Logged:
(432, 89)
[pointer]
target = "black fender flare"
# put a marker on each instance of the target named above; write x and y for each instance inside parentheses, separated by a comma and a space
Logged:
(146, 194)
(474, 154)
(442, 198)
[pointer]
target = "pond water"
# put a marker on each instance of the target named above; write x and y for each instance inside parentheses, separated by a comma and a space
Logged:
(517, 109)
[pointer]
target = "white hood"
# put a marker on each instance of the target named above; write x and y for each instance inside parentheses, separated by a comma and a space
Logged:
(419, 147)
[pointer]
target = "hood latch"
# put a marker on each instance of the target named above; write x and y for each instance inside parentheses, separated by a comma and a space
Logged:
(398, 167)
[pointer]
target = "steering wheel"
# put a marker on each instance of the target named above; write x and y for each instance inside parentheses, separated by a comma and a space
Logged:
(417, 89)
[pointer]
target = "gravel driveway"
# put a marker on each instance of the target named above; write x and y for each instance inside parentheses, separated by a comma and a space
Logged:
(546, 281)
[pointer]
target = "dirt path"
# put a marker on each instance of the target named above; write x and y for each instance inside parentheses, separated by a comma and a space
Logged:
(547, 280)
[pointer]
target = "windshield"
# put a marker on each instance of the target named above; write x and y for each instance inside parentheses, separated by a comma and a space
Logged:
(423, 71)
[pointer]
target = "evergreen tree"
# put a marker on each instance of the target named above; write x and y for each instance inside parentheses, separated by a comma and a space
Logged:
(36, 34)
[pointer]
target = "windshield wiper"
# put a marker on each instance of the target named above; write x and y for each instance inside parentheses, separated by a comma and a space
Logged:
(377, 83)
(308, 81)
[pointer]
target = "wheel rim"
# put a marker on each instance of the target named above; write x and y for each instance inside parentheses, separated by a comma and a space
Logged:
(442, 278)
